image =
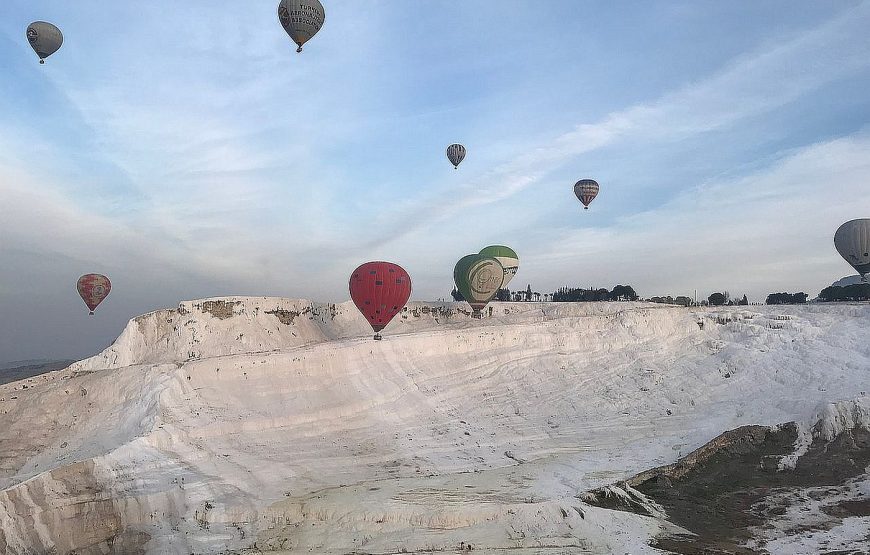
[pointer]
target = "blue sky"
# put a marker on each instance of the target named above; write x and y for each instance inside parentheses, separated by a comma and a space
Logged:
(186, 151)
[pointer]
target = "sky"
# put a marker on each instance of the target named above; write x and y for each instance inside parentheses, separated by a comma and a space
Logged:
(186, 151)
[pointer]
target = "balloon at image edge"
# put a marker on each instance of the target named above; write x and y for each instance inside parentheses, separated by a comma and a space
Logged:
(93, 289)
(456, 154)
(852, 241)
(44, 38)
(301, 19)
(507, 257)
(379, 290)
(478, 278)
(586, 190)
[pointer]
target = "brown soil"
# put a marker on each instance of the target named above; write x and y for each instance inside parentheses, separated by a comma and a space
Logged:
(845, 509)
(720, 491)
(219, 309)
(286, 317)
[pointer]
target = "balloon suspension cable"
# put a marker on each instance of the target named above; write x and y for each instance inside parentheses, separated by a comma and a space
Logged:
(378, 337)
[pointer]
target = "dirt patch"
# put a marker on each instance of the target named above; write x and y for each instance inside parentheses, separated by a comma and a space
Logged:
(219, 309)
(732, 485)
(851, 507)
(286, 317)
(438, 312)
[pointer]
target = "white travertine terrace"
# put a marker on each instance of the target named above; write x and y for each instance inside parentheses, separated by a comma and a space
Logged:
(234, 421)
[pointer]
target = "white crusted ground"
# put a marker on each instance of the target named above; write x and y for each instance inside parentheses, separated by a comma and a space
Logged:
(232, 421)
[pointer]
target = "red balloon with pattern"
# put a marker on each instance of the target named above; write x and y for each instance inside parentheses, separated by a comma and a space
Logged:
(586, 190)
(380, 290)
(93, 288)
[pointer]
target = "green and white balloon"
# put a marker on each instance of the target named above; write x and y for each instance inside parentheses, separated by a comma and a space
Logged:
(507, 257)
(478, 278)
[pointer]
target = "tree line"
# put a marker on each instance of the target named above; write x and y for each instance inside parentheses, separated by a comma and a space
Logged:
(576, 294)
(563, 294)
(787, 298)
(856, 292)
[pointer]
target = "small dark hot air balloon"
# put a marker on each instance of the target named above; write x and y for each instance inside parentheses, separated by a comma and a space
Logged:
(586, 190)
(93, 288)
(44, 38)
(301, 19)
(456, 154)
(380, 290)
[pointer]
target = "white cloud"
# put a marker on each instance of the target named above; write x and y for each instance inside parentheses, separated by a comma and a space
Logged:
(769, 230)
(752, 85)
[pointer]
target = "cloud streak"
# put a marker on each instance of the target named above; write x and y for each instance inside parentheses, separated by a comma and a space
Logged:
(752, 85)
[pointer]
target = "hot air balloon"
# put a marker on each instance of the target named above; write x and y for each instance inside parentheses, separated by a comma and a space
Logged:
(44, 38)
(478, 278)
(301, 19)
(507, 257)
(586, 190)
(852, 241)
(380, 290)
(456, 154)
(93, 288)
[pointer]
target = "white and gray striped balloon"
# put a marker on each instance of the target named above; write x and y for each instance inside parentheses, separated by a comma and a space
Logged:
(852, 241)
(456, 154)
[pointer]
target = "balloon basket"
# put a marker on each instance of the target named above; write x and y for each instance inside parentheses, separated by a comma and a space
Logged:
(90, 313)
(378, 337)
(299, 50)
(42, 61)
(585, 208)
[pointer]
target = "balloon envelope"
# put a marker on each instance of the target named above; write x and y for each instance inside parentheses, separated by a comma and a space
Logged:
(456, 154)
(478, 278)
(301, 19)
(586, 190)
(44, 38)
(380, 290)
(93, 288)
(852, 241)
(508, 259)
